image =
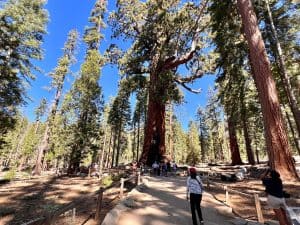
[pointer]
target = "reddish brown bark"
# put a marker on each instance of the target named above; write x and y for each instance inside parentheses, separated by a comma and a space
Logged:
(247, 138)
(154, 143)
(276, 138)
(234, 147)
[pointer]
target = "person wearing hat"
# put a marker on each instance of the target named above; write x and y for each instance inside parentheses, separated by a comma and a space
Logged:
(194, 193)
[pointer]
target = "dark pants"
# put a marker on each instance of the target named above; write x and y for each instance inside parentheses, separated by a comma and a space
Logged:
(195, 201)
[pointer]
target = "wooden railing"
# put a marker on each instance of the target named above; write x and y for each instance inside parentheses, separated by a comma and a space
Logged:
(290, 211)
(228, 190)
(50, 218)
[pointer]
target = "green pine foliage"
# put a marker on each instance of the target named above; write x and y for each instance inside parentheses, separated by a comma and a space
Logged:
(193, 145)
(22, 26)
(86, 93)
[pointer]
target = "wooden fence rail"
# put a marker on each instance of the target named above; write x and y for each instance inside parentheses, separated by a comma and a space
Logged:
(228, 190)
(50, 218)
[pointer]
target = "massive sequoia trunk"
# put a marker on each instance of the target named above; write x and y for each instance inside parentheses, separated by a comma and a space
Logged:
(154, 142)
(276, 138)
(234, 147)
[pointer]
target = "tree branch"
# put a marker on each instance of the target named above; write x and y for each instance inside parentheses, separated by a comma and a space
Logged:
(170, 63)
(188, 88)
(190, 78)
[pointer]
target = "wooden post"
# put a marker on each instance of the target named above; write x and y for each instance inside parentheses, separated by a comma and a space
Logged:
(99, 204)
(258, 209)
(207, 183)
(139, 178)
(122, 188)
(73, 216)
(226, 195)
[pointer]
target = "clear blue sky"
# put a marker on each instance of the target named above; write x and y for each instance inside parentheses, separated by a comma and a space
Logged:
(69, 14)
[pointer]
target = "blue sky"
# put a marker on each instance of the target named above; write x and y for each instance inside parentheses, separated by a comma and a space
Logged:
(69, 14)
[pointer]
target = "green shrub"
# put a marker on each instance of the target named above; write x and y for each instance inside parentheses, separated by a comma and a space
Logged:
(10, 175)
(106, 181)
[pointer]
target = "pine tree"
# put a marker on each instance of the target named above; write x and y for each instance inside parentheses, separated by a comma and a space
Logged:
(193, 145)
(139, 118)
(58, 78)
(203, 133)
(22, 26)
(86, 92)
(119, 118)
(180, 142)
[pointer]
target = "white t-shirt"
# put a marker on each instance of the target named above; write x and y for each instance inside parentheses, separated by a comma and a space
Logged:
(194, 186)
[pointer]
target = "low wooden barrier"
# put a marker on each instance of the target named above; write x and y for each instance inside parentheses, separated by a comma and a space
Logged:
(52, 217)
(228, 190)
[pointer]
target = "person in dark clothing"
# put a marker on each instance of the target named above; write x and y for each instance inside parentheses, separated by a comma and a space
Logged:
(194, 193)
(275, 197)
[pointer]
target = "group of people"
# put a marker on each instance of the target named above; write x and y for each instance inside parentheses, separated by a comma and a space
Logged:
(273, 188)
(162, 168)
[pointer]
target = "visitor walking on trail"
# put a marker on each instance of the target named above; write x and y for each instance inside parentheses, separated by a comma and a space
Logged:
(275, 199)
(194, 193)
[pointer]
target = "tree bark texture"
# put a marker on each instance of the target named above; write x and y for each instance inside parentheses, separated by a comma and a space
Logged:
(234, 147)
(283, 73)
(138, 141)
(249, 150)
(154, 141)
(276, 138)
(119, 143)
(41, 152)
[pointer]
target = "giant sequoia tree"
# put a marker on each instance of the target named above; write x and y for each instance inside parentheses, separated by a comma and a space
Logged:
(165, 35)
(22, 26)
(276, 138)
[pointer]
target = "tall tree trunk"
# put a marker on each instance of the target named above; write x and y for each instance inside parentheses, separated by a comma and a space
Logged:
(171, 133)
(119, 143)
(154, 141)
(234, 147)
(109, 150)
(295, 138)
(249, 151)
(101, 156)
(114, 149)
(283, 73)
(202, 146)
(134, 157)
(44, 146)
(219, 148)
(138, 140)
(276, 138)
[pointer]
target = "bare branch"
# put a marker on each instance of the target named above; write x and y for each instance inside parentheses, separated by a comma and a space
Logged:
(190, 78)
(188, 88)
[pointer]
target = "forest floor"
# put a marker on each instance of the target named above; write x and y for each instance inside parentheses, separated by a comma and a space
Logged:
(25, 200)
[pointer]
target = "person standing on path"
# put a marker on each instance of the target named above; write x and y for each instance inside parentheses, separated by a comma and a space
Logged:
(194, 193)
(275, 199)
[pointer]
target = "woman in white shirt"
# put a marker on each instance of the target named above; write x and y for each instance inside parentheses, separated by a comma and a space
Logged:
(194, 192)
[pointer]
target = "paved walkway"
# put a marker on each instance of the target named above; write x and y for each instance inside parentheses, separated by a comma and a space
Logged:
(164, 203)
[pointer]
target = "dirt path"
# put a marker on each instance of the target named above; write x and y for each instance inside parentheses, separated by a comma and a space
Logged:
(164, 203)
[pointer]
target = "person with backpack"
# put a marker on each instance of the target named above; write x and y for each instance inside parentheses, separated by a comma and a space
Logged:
(276, 195)
(194, 193)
